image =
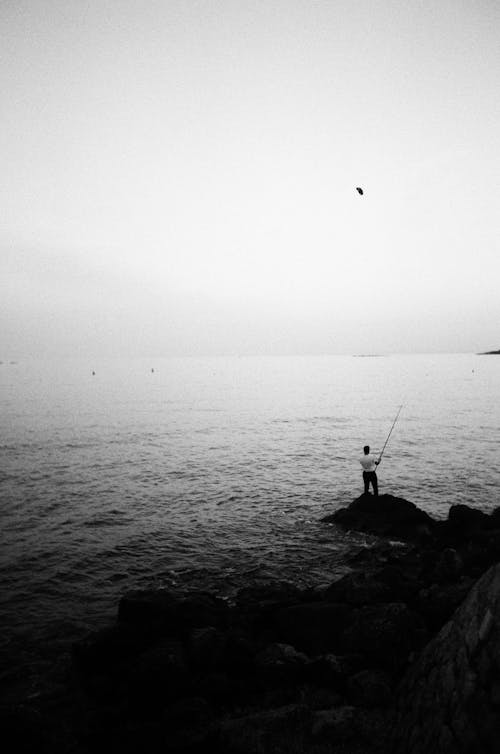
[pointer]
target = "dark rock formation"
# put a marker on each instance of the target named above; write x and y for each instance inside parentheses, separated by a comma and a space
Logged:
(450, 699)
(386, 516)
(465, 544)
(359, 589)
(313, 627)
(348, 668)
(385, 634)
(370, 688)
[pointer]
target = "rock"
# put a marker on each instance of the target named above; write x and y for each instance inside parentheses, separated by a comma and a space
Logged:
(281, 664)
(389, 516)
(274, 694)
(238, 654)
(280, 654)
(493, 522)
(373, 555)
(375, 726)
(162, 612)
(402, 585)
(157, 676)
(313, 627)
(351, 730)
(463, 521)
(386, 634)
(257, 605)
(200, 609)
(216, 686)
(481, 552)
(447, 702)
(328, 671)
(357, 589)
(386, 516)
(370, 688)
(205, 648)
(146, 607)
(23, 730)
(437, 603)
(186, 724)
(449, 567)
(337, 724)
(104, 650)
(273, 592)
(332, 671)
(320, 698)
(275, 731)
(282, 669)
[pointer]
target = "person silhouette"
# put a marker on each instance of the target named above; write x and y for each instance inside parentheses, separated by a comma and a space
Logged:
(369, 465)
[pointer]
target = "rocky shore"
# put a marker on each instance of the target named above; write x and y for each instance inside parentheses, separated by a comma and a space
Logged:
(401, 655)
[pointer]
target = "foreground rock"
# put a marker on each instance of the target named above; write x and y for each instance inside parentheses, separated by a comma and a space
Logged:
(277, 672)
(449, 701)
(378, 661)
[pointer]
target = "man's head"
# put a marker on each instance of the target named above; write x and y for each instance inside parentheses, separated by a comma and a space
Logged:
(366, 450)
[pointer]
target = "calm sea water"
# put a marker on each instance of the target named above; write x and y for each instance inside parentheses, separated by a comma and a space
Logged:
(215, 472)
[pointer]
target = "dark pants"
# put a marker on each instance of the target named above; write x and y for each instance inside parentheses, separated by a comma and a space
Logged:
(370, 477)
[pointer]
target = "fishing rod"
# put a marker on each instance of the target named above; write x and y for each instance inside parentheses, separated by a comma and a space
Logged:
(390, 432)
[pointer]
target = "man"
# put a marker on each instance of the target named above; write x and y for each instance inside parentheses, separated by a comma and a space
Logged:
(369, 465)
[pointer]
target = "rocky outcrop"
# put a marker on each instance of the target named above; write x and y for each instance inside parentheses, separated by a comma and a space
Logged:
(397, 656)
(385, 516)
(274, 672)
(449, 702)
(465, 544)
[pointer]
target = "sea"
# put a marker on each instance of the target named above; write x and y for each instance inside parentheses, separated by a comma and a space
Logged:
(215, 474)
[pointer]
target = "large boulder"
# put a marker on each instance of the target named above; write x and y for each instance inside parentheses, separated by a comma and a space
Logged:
(273, 731)
(23, 730)
(437, 603)
(402, 583)
(314, 627)
(155, 677)
(102, 651)
(386, 516)
(370, 688)
(358, 589)
(386, 634)
(449, 566)
(187, 725)
(162, 612)
(464, 520)
(449, 701)
(335, 725)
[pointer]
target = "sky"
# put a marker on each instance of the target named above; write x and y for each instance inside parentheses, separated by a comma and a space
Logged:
(179, 177)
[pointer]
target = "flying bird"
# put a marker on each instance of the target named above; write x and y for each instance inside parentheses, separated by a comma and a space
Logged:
(359, 190)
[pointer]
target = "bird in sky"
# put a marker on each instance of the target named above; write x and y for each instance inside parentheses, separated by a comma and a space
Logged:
(359, 190)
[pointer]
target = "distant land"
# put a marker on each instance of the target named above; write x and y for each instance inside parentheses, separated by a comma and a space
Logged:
(489, 353)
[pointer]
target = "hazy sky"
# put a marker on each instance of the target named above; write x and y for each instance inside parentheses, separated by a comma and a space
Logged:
(179, 177)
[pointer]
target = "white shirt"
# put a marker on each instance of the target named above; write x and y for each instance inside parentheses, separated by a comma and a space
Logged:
(368, 462)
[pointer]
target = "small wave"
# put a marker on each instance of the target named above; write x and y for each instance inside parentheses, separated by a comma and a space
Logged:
(118, 577)
(111, 518)
(325, 419)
